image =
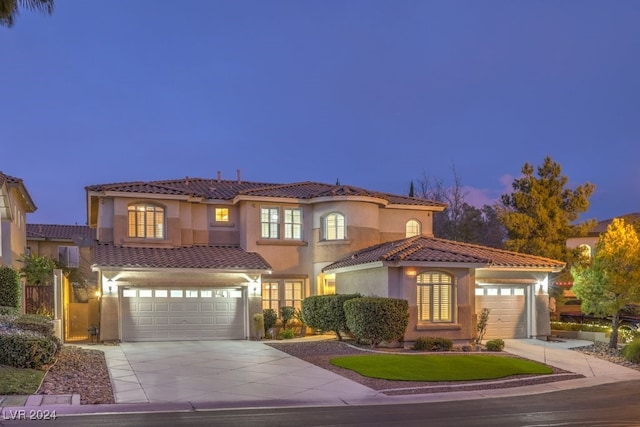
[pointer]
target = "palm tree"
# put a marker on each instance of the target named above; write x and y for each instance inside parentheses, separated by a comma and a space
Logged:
(9, 9)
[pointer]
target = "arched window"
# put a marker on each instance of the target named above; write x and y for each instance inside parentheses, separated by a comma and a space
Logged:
(585, 250)
(146, 221)
(334, 227)
(435, 297)
(413, 228)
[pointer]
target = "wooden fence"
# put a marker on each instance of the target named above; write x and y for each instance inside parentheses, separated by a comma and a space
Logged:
(39, 299)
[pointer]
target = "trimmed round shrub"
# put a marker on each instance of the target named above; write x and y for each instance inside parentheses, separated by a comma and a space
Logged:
(374, 319)
(258, 325)
(631, 351)
(326, 312)
(34, 322)
(495, 345)
(26, 349)
(287, 314)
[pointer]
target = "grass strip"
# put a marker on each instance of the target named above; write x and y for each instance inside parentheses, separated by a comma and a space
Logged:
(439, 367)
(19, 381)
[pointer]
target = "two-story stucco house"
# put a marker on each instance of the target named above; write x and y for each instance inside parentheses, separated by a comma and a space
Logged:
(15, 204)
(196, 258)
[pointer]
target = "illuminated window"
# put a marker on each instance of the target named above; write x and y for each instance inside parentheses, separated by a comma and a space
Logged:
(222, 214)
(146, 221)
(270, 296)
(293, 224)
(293, 294)
(270, 223)
(334, 228)
(412, 228)
(435, 297)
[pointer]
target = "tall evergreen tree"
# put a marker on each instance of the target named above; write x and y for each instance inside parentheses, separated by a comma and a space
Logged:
(541, 213)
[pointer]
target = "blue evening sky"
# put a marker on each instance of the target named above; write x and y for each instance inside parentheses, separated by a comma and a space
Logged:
(373, 93)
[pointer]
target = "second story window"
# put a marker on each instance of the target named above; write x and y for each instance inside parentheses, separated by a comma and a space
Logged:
(69, 256)
(412, 228)
(270, 223)
(222, 214)
(146, 221)
(334, 228)
(293, 224)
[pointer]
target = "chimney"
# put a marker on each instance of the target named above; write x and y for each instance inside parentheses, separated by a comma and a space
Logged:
(238, 172)
(186, 180)
(219, 176)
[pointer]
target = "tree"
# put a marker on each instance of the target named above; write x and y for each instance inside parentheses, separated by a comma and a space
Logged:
(460, 221)
(9, 9)
(610, 281)
(541, 214)
(37, 270)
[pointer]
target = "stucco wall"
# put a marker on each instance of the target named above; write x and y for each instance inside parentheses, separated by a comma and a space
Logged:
(370, 282)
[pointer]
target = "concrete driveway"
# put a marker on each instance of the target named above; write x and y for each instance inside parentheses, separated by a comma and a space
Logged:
(221, 371)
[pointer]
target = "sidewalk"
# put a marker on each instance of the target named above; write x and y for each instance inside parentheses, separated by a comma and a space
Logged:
(191, 376)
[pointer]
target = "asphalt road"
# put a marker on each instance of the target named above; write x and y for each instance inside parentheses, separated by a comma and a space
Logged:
(607, 405)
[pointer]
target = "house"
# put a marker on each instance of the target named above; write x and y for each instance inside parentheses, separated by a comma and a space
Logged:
(568, 307)
(195, 258)
(70, 246)
(15, 204)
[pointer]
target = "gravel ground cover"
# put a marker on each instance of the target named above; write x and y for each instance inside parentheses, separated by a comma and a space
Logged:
(85, 372)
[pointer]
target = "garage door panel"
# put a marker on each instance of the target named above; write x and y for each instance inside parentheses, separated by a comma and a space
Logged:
(508, 316)
(193, 314)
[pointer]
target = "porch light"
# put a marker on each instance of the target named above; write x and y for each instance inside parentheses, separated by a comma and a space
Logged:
(411, 272)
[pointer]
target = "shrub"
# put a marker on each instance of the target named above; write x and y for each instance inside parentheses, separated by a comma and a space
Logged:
(432, 344)
(374, 319)
(481, 327)
(34, 322)
(585, 327)
(26, 349)
(286, 334)
(258, 325)
(326, 312)
(627, 334)
(270, 318)
(287, 314)
(495, 345)
(9, 311)
(10, 288)
(631, 351)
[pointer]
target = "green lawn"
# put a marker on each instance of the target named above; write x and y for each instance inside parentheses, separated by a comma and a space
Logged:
(439, 367)
(19, 381)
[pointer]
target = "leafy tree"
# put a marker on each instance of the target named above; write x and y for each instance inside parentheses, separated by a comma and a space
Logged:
(541, 213)
(37, 270)
(9, 9)
(610, 281)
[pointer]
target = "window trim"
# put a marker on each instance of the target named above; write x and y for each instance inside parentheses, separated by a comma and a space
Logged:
(270, 223)
(290, 227)
(432, 286)
(132, 209)
(415, 224)
(339, 230)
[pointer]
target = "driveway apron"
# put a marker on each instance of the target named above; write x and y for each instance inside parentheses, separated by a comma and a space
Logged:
(221, 371)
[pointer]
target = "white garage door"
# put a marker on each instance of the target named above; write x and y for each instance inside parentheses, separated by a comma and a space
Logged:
(175, 313)
(508, 317)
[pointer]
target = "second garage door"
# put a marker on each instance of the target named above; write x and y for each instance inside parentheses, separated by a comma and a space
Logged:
(173, 314)
(508, 305)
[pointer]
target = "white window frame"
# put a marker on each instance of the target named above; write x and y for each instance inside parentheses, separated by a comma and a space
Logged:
(413, 228)
(269, 222)
(335, 227)
(292, 223)
(69, 256)
(146, 221)
(435, 297)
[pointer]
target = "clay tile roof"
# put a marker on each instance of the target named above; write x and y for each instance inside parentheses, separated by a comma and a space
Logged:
(12, 181)
(227, 189)
(208, 257)
(431, 249)
(60, 232)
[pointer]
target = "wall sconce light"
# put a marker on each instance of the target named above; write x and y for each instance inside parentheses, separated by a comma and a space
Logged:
(255, 291)
(412, 273)
(110, 284)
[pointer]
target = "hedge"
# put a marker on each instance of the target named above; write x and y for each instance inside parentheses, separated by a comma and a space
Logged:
(34, 322)
(25, 349)
(326, 312)
(10, 289)
(375, 319)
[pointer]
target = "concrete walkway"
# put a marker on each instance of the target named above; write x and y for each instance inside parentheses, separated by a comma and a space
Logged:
(194, 375)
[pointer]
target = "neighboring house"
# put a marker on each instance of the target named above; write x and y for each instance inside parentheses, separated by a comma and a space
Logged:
(568, 307)
(15, 204)
(197, 258)
(70, 246)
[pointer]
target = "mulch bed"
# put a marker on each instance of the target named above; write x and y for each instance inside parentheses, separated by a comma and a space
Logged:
(320, 353)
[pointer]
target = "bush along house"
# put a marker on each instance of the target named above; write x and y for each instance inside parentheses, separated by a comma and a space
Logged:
(195, 259)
